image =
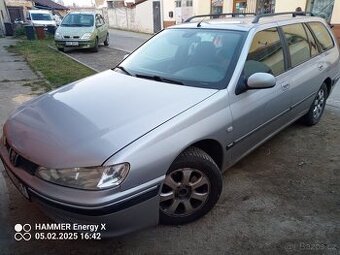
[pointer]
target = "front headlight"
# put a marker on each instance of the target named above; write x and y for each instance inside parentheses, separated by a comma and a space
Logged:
(90, 178)
(58, 36)
(86, 36)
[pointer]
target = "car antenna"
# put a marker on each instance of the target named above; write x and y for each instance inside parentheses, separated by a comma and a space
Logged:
(199, 23)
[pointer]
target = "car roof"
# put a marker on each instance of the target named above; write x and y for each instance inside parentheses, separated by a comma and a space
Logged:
(244, 23)
(39, 11)
(84, 12)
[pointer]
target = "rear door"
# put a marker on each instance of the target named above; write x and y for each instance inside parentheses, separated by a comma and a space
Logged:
(99, 26)
(257, 114)
(329, 62)
(304, 67)
(104, 27)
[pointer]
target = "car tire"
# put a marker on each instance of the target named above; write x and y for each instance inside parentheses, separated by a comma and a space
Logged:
(96, 46)
(317, 108)
(191, 188)
(61, 49)
(107, 40)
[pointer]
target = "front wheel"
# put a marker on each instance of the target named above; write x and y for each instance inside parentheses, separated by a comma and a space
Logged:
(96, 46)
(107, 40)
(191, 188)
(317, 108)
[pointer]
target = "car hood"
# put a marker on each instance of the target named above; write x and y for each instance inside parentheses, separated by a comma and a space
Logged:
(74, 31)
(84, 123)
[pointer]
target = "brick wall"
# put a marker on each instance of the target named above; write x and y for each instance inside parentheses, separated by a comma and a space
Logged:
(168, 23)
(336, 30)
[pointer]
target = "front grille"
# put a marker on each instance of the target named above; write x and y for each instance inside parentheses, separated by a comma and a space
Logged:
(22, 162)
(66, 37)
(76, 37)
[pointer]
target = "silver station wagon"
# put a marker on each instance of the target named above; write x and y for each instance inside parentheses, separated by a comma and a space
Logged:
(148, 141)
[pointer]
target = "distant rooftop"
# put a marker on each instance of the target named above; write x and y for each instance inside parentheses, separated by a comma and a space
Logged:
(48, 5)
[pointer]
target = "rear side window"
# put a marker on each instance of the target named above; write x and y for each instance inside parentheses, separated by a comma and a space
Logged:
(312, 43)
(298, 43)
(265, 54)
(322, 35)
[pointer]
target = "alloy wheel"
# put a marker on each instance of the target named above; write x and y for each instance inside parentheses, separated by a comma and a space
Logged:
(184, 192)
(319, 104)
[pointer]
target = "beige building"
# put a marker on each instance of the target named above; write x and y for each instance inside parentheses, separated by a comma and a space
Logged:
(18, 9)
(4, 17)
(176, 11)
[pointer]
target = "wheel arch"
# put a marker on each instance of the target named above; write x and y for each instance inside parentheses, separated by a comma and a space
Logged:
(328, 83)
(213, 148)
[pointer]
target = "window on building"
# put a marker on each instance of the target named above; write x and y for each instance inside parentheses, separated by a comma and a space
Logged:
(265, 54)
(240, 6)
(178, 3)
(322, 35)
(110, 4)
(321, 8)
(297, 43)
(216, 6)
(188, 3)
(266, 6)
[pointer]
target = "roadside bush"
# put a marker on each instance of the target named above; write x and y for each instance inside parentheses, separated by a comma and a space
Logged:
(19, 32)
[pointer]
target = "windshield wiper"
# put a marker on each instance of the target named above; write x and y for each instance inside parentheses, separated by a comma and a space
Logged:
(124, 70)
(158, 78)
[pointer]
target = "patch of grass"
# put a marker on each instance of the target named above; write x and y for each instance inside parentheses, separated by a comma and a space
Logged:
(19, 32)
(55, 67)
(38, 86)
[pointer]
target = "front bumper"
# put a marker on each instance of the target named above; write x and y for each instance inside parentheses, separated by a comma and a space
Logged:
(123, 212)
(80, 44)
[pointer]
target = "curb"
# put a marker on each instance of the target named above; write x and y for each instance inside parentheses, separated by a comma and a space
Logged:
(78, 61)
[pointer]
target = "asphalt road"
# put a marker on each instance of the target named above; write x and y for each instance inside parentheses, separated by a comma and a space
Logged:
(126, 41)
(281, 199)
(121, 43)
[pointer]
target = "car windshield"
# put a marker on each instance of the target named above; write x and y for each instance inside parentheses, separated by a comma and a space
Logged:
(78, 20)
(193, 57)
(41, 16)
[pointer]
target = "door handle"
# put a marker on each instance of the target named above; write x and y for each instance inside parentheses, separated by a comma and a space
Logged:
(285, 86)
(320, 67)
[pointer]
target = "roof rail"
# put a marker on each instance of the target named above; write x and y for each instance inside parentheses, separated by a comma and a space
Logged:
(294, 14)
(217, 15)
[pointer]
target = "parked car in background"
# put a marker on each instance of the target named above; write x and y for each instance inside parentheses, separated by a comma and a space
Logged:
(57, 17)
(41, 18)
(148, 141)
(82, 30)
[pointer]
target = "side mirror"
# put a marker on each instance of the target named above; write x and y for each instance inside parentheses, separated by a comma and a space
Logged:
(28, 18)
(261, 81)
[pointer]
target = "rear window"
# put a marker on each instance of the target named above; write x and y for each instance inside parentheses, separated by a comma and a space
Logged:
(324, 38)
(312, 43)
(298, 43)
